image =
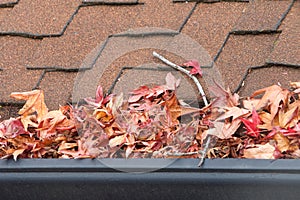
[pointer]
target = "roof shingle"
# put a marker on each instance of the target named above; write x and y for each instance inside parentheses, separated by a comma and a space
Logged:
(287, 48)
(39, 18)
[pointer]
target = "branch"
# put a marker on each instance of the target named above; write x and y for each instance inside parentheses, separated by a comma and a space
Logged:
(202, 93)
(200, 89)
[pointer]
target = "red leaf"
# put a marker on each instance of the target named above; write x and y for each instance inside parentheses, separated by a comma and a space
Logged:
(251, 125)
(196, 67)
(11, 128)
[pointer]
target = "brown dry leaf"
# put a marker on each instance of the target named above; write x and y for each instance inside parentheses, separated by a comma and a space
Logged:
(283, 142)
(65, 145)
(234, 112)
(289, 118)
(224, 97)
(265, 151)
(34, 108)
(117, 141)
(17, 152)
(53, 121)
(174, 110)
(249, 104)
(273, 96)
(224, 130)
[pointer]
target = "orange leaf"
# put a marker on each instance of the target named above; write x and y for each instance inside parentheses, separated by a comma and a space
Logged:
(283, 142)
(34, 108)
(273, 97)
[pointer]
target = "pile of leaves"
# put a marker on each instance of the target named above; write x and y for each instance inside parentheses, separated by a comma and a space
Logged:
(154, 123)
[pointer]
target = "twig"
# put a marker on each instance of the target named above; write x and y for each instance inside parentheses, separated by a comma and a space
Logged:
(201, 91)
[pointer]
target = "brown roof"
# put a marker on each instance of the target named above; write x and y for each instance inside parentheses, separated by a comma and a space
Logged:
(69, 47)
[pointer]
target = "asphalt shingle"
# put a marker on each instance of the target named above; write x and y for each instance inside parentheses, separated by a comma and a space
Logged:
(262, 15)
(14, 53)
(256, 79)
(210, 24)
(91, 26)
(248, 40)
(242, 52)
(39, 17)
(58, 88)
(287, 48)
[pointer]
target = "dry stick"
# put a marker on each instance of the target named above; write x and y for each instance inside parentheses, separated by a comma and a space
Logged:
(202, 93)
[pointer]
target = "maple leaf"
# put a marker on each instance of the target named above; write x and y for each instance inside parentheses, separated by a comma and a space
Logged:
(283, 143)
(224, 130)
(273, 97)
(234, 112)
(100, 99)
(52, 122)
(224, 97)
(265, 151)
(174, 110)
(252, 124)
(11, 128)
(34, 108)
(196, 69)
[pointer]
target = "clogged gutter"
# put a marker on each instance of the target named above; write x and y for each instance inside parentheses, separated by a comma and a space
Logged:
(154, 123)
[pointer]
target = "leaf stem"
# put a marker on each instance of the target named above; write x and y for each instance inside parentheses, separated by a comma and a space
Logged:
(200, 88)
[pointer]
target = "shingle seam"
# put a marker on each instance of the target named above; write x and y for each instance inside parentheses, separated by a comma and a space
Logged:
(96, 3)
(7, 103)
(188, 17)
(266, 65)
(57, 68)
(9, 4)
(209, 1)
(284, 15)
(37, 85)
(117, 79)
(254, 32)
(283, 64)
(146, 34)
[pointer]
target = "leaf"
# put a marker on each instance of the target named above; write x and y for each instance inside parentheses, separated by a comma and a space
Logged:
(100, 99)
(11, 128)
(265, 151)
(34, 108)
(288, 119)
(234, 112)
(117, 140)
(53, 121)
(273, 97)
(196, 69)
(224, 130)
(224, 98)
(171, 82)
(174, 110)
(17, 152)
(67, 145)
(282, 142)
(252, 124)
